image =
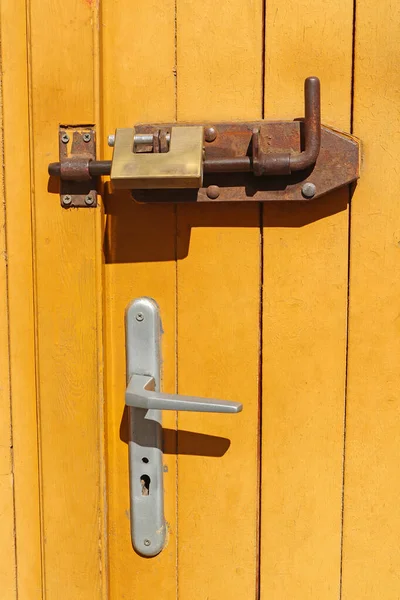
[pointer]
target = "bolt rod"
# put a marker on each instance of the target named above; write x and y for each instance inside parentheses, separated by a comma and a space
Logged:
(213, 165)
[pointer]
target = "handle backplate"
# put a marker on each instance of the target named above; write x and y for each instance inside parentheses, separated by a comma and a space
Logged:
(143, 332)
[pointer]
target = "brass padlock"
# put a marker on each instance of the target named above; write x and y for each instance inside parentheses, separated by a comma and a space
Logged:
(180, 167)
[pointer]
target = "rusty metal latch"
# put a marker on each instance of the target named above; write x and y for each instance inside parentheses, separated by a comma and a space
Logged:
(77, 148)
(252, 161)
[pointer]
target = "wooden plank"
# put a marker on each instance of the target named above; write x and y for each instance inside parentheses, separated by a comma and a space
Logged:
(63, 62)
(20, 306)
(304, 320)
(371, 517)
(8, 583)
(219, 77)
(138, 85)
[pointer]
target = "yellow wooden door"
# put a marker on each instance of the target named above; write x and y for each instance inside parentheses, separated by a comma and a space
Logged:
(291, 310)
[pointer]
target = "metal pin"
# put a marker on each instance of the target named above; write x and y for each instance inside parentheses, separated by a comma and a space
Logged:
(140, 139)
(213, 191)
(147, 138)
(210, 134)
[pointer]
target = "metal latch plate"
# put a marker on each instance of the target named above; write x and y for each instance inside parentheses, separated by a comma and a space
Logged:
(337, 165)
(77, 147)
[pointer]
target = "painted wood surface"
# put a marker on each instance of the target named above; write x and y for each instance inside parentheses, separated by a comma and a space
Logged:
(371, 551)
(304, 320)
(7, 510)
(21, 376)
(140, 251)
(218, 296)
(55, 307)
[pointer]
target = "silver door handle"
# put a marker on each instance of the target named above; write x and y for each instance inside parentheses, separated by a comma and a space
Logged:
(141, 393)
(145, 402)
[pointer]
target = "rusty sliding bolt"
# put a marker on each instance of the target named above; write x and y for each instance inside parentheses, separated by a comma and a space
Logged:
(280, 163)
(97, 168)
(261, 163)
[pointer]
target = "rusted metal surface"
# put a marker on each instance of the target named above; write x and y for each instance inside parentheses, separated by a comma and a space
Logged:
(337, 164)
(312, 127)
(97, 168)
(75, 169)
(268, 163)
(213, 192)
(77, 149)
(289, 158)
(262, 161)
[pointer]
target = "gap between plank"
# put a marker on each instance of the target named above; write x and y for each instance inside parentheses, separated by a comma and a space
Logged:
(348, 310)
(34, 292)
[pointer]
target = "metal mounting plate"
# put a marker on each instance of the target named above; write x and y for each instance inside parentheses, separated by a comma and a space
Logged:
(143, 334)
(337, 165)
(77, 146)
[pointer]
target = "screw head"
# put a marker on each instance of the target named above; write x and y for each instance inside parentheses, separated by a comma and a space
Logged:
(89, 200)
(140, 317)
(308, 190)
(147, 542)
(111, 140)
(86, 137)
(65, 138)
(67, 200)
(213, 192)
(210, 134)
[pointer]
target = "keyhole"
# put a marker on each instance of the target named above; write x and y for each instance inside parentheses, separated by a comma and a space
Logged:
(145, 483)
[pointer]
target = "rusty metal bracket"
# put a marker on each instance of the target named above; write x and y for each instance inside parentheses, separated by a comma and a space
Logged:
(77, 147)
(258, 161)
(337, 164)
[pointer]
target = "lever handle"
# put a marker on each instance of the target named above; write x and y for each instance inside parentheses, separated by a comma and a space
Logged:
(145, 403)
(140, 394)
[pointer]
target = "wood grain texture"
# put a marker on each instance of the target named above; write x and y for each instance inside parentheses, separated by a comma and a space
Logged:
(372, 518)
(219, 72)
(140, 249)
(22, 377)
(304, 321)
(63, 63)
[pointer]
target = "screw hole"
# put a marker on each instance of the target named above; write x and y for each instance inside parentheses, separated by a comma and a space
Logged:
(145, 459)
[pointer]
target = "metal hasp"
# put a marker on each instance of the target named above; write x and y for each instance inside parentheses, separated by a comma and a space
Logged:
(257, 161)
(77, 148)
(145, 403)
